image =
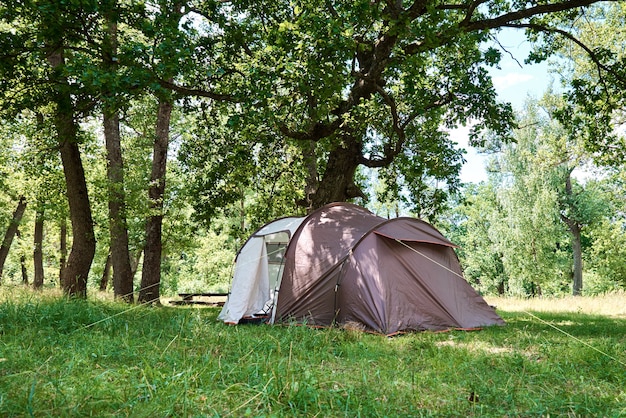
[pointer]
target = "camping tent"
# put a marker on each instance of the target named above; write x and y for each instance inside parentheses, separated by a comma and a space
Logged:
(343, 264)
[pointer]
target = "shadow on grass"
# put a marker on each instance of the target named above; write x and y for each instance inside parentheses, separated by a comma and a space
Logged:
(576, 324)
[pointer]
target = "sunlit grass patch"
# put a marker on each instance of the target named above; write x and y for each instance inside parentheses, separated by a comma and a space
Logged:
(611, 304)
(104, 358)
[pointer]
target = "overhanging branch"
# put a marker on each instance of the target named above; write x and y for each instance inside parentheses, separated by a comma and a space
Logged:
(198, 92)
(518, 15)
(592, 55)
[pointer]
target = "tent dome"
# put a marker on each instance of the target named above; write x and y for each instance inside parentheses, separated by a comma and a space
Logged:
(343, 264)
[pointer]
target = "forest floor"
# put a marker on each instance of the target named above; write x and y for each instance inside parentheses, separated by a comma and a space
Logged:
(557, 357)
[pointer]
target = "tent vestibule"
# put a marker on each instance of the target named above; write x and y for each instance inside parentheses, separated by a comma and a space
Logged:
(258, 268)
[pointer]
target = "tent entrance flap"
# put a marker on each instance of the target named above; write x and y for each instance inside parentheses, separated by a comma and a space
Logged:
(258, 268)
(275, 246)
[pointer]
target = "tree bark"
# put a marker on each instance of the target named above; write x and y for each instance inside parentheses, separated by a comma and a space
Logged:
(11, 232)
(24, 269)
(575, 230)
(106, 273)
(22, 262)
(337, 184)
(120, 259)
(75, 273)
(577, 285)
(118, 228)
(134, 262)
(151, 272)
(62, 249)
(38, 247)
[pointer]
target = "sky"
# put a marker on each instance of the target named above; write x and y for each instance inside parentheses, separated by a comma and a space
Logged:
(514, 82)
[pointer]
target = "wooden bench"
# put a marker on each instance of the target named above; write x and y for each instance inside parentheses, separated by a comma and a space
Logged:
(189, 299)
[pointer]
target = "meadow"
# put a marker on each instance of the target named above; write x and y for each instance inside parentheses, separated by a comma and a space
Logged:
(555, 357)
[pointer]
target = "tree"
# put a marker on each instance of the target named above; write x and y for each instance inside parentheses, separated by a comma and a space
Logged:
(593, 64)
(11, 231)
(607, 251)
(40, 36)
(473, 223)
(119, 256)
(543, 203)
(38, 245)
(151, 272)
(76, 271)
(372, 83)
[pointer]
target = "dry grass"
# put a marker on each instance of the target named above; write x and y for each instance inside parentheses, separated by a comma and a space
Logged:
(611, 304)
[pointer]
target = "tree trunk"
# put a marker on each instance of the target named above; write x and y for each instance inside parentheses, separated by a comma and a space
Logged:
(134, 262)
(575, 230)
(62, 249)
(151, 272)
(501, 288)
(106, 273)
(11, 232)
(22, 262)
(337, 183)
(24, 269)
(120, 259)
(38, 247)
(118, 228)
(76, 271)
(577, 284)
(83, 246)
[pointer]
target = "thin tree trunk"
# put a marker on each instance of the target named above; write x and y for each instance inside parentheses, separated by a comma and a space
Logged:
(11, 231)
(22, 262)
(151, 272)
(134, 262)
(38, 247)
(575, 230)
(62, 249)
(577, 284)
(106, 273)
(81, 255)
(120, 259)
(24, 270)
(118, 229)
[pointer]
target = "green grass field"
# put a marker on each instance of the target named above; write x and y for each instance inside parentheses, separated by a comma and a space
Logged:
(100, 358)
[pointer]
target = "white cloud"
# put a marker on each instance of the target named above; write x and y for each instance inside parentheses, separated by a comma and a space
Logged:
(510, 80)
(473, 171)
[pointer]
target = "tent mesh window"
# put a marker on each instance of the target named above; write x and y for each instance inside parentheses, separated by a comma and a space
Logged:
(276, 252)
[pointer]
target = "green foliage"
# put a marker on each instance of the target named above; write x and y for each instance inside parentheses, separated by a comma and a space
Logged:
(607, 252)
(596, 82)
(471, 225)
(380, 81)
(287, 79)
(205, 267)
(515, 231)
(193, 365)
(242, 174)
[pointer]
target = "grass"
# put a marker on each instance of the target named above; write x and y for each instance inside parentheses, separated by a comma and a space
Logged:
(100, 358)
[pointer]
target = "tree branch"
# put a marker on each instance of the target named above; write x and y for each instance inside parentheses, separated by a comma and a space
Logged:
(316, 132)
(393, 150)
(541, 9)
(592, 55)
(186, 91)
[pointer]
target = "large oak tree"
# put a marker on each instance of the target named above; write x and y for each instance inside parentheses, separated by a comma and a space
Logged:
(377, 83)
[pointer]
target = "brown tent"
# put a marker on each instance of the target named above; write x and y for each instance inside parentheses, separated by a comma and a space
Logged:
(343, 264)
